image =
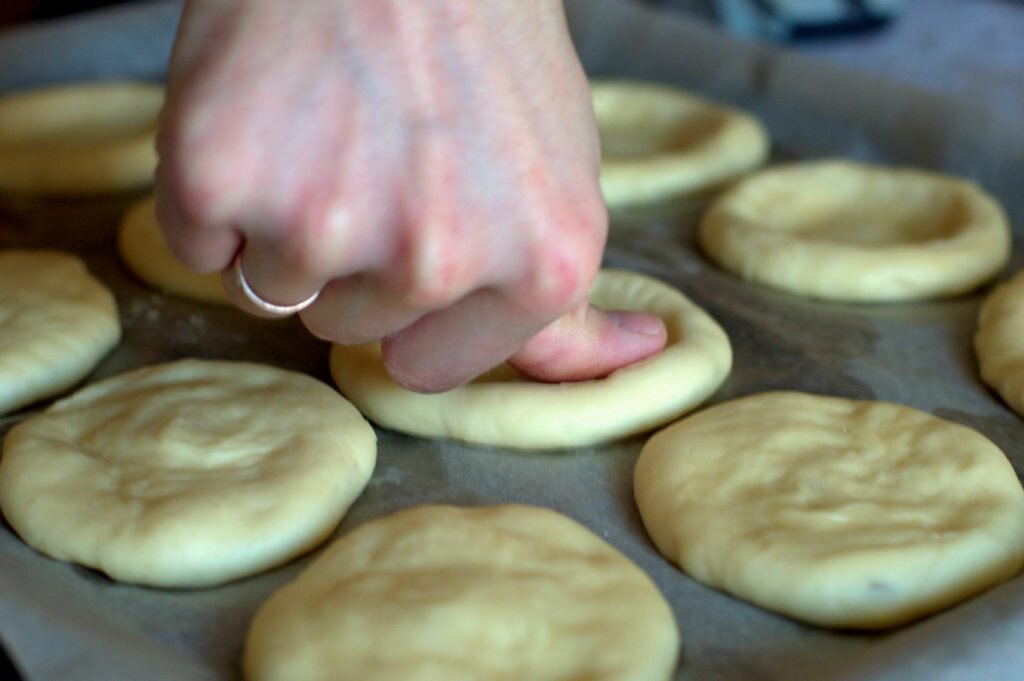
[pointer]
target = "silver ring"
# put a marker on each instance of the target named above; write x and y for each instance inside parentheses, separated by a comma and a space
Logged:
(266, 305)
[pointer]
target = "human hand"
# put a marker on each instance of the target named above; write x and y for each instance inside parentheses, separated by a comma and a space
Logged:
(430, 167)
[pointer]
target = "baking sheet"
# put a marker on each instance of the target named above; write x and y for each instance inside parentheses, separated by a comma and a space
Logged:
(65, 622)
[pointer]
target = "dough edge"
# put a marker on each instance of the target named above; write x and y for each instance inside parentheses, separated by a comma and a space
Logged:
(634, 399)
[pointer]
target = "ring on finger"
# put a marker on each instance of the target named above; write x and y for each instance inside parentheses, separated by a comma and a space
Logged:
(261, 303)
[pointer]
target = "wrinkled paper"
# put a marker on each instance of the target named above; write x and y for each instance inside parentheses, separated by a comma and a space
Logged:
(62, 622)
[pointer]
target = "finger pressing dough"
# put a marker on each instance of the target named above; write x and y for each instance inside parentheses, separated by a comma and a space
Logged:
(833, 511)
(144, 250)
(57, 322)
(845, 231)
(79, 139)
(186, 474)
(999, 342)
(439, 593)
(503, 408)
(659, 142)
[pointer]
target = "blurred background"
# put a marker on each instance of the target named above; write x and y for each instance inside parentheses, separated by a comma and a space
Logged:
(963, 48)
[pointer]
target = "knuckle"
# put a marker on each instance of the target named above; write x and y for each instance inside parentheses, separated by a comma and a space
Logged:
(563, 269)
(438, 272)
(424, 291)
(557, 283)
(192, 189)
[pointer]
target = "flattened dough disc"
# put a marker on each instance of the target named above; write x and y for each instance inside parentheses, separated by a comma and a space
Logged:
(57, 322)
(144, 250)
(999, 342)
(837, 512)
(439, 593)
(186, 474)
(79, 139)
(502, 408)
(659, 142)
(845, 231)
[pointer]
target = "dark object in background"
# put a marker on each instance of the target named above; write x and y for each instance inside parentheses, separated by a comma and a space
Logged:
(793, 20)
(18, 11)
(7, 669)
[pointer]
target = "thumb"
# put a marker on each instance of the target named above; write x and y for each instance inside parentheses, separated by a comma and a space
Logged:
(589, 343)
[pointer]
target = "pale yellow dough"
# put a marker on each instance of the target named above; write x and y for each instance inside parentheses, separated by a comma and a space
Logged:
(57, 322)
(79, 139)
(502, 408)
(660, 142)
(186, 474)
(837, 512)
(999, 342)
(144, 250)
(439, 593)
(846, 231)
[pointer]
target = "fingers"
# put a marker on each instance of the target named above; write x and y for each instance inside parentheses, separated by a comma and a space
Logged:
(589, 343)
(446, 348)
(199, 248)
(359, 309)
(273, 275)
(237, 286)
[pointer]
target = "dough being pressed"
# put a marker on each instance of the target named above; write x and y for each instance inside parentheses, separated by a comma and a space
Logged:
(502, 408)
(186, 474)
(144, 250)
(57, 322)
(660, 142)
(440, 593)
(999, 342)
(846, 231)
(837, 512)
(79, 139)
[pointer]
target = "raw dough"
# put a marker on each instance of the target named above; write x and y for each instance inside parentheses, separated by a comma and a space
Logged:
(144, 250)
(56, 323)
(845, 231)
(999, 342)
(186, 474)
(837, 512)
(439, 593)
(659, 142)
(502, 408)
(79, 139)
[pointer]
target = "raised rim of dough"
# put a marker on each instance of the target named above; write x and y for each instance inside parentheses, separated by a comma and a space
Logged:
(847, 231)
(444, 593)
(501, 408)
(86, 138)
(838, 512)
(57, 321)
(999, 342)
(186, 474)
(660, 142)
(143, 249)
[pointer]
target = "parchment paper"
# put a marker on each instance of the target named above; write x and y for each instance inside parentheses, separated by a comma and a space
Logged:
(61, 622)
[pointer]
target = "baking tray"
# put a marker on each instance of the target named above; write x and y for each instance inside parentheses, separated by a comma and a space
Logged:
(60, 621)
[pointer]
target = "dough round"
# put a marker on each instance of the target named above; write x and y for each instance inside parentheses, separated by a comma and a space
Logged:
(502, 408)
(836, 512)
(56, 323)
(659, 142)
(144, 250)
(186, 474)
(999, 342)
(439, 593)
(845, 231)
(79, 139)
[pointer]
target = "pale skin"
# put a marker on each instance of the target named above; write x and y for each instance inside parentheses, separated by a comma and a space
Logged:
(431, 167)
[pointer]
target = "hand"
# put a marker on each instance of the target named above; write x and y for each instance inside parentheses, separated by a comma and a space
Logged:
(431, 167)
